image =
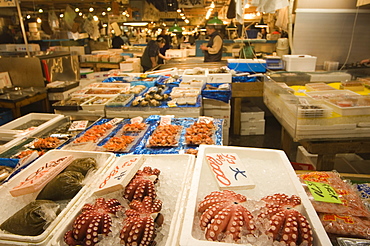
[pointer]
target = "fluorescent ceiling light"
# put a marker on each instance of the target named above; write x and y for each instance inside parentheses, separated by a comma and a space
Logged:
(135, 23)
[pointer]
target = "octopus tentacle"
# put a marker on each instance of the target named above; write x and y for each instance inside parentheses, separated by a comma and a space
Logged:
(142, 184)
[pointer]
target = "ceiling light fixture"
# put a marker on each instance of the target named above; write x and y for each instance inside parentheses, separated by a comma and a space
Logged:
(28, 17)
(103, 13)
(215, 21)
(41, 10)
(178, 10)
(109, 9)
(77, 10)
(144, 23)
(80, 14)
(61, 15)
(91, 9)
(38, 20)
(261, 24)
(175, 28)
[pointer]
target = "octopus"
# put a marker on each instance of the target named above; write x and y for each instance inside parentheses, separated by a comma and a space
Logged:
(95, 219)
(224, 216)
(47, 143)
(143, 218)
(142, 184)
(285, 223)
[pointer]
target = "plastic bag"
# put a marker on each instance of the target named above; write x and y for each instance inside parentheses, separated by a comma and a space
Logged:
(351, 201)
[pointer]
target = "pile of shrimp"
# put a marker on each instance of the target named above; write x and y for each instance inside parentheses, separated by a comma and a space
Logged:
(118, 144)
(94, 133)
(47, 143)
(134, 127)
(165, 136)
(200, 133)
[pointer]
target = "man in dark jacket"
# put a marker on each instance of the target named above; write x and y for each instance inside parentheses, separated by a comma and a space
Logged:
(167, 46)
(151, 53)
(213, 50)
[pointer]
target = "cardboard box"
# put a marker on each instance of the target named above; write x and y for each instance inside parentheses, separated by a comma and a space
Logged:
(214, 104)
(252, 127)
(219, 114)
(252, 114)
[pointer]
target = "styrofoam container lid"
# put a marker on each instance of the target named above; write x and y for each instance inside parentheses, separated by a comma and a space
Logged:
(11, 205)
(271, 172)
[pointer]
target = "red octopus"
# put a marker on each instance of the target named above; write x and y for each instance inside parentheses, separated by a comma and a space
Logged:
(286, 224)
(142, 184)
(223, 215)
(95, 219)
(139, 228)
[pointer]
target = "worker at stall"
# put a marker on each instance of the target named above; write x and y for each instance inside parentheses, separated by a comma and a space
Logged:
(117, 42)
(149, 59)
(213, 50)
(167, 46)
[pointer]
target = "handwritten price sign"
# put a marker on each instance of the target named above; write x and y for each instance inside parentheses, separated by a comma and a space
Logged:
(119, 175)
(323, 192)
(229, 171)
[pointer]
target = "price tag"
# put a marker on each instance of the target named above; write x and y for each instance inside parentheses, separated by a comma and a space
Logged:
(137, 120)
(323, 192)
(205, 119)
(166, 120)
(229, 171)
(78, 125)
(115, 121)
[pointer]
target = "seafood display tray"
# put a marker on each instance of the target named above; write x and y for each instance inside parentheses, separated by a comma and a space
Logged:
(11, 205)
(49, 119)
(175, 170)
(263, 165)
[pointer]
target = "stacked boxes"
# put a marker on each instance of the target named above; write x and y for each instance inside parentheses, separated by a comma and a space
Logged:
(219, 110)
(252, 122)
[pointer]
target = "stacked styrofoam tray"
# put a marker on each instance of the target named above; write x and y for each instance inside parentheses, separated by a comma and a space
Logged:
(190, 74)
(10, 127)
(219, 78)
(11, 205)
(361, 105)
(172, 189)
(271, 172)
(313, 111)
(110, 85)
(324, 95)
(91, 106)
(9, 141)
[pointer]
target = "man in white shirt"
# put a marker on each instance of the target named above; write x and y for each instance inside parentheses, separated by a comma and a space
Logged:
(213, 50)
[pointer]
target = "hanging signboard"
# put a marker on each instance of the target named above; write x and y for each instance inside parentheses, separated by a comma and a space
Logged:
(190, 3)
(7, 3)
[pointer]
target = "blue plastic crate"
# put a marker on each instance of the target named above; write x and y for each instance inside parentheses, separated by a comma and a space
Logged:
(247, 65)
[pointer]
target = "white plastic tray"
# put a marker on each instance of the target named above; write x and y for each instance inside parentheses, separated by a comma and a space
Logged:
(176, 170)
(11, 205)
(271, 172)
(10, 127)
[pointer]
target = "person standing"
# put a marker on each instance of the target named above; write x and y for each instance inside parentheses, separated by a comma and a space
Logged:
(117, 42)
(167, 46)
(150, 56)
(213, 50)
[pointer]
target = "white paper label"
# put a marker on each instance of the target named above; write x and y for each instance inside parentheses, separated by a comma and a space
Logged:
(229, 171)
(137, 120)
(119, 175)
(205, 119)
(166, 120)
(78, 125)
(115, 121)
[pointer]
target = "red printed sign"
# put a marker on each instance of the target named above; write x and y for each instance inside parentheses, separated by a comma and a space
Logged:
(38, 179)
(119, 175)
(229, 171)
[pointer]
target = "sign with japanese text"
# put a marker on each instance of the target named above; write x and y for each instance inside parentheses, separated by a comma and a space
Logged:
(323, 192)
(190, 3)
(230, 172)
(7, 3)
(119, 175)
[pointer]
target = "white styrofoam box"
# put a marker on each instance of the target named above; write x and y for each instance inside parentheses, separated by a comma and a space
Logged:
(100, 76)
(190, 51)
(8, 47)
(219, 78)
(97, 103)
(8, 140)
(176, 53)
(323, 95)
(305, 63)
(86, 82)
(167, 71)
(330, 77)
(262, 165)
(190, 74)
(214, 104)
(252, 114)
(31, 47)
(175, 179)
(347, 110)
(219, 114)
(58, 96)
(256, 127)
(14, 125)
(11, 205)
(79, 50)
